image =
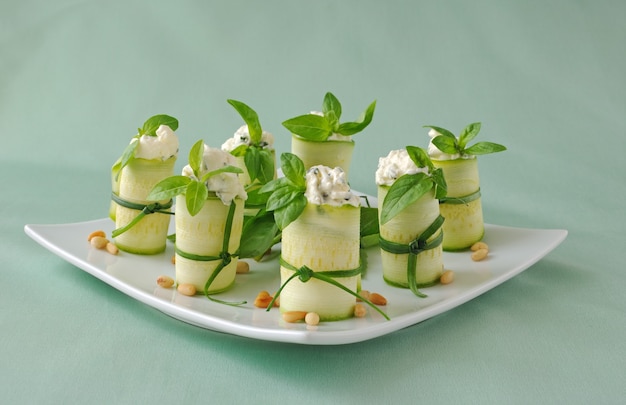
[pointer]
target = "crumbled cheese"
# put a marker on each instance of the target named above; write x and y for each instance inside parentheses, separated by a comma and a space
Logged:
(225, 185)
(242, 137)
(396, 164)
(329, 186)
(162, 146)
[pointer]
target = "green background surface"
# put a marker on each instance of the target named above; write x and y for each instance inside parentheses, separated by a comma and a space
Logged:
(546, 78)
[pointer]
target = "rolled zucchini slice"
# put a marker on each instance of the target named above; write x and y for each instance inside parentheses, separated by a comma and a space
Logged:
(202, 253)
(404, 229)
(323, 238)
(462, 207)
(327, 153)
(148, 235)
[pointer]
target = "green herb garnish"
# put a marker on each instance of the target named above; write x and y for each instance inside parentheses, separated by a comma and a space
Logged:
(149, 128)
(258, 159)
(195, 189)
(320, 127)
(410, 187)
(448, 143)
(287, 199)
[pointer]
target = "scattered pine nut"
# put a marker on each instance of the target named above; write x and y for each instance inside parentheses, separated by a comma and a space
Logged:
(263, 300)
(186, 289)
(479, 245)
(174, 259)
(447, 277)
(96, 233)
(377, 299)
(112, 248)
(365, 294)
(165, 281)
(242, 267)
(312, 318)
(294, 316)
(99, 242)
(360, 311)
(479, 255)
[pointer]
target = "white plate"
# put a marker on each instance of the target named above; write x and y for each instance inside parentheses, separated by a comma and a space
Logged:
(512, 250)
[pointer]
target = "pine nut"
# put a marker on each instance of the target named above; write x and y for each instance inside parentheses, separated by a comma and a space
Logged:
(447, 277)
(186, 289)
(96, 233)
(479, 255)
(165, 281)
(262, 299)
(242, 267)
(294, 316)
(174, 259)
(479, 245)
(99, 242)
(360, 311)
(365, 294)
(112, 248)
(377, 299)
(312, 318)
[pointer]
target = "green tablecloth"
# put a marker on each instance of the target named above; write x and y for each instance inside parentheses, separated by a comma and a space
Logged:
(547, 79)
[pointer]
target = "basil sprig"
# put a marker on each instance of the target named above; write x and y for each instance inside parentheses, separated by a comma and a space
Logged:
(149, 128)
(287, 199)
(195, 189)
(410, 187)
(319, 127)
(447, 142)
(258, 159)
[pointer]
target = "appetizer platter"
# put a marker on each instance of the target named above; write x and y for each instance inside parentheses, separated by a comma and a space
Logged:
(236, 245)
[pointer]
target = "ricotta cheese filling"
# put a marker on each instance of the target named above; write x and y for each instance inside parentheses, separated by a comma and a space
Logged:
(162, 146)
(226, 186)
(242, 137)
(329, 186)
(396, 164)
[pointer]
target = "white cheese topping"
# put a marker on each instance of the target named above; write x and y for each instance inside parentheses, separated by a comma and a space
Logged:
(329, 186)
(162, 146)
(242, 137)
(396, 164)
(225, 185)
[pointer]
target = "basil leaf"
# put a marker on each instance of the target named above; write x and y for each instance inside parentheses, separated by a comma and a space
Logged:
(265, 172)
(351, 128)
(127, 155)
(403, 192)
(419, 157)
(293, 169)
(257, 236)
(331, 104)
(369, 221)
(252, 160)
(196, 156)
(168, 188)
(445, 144)
(225, 169)
(469, 133)
(483, 148)
(256, 198)
(290, 212)
(153, 123)
(251, 119)
(310, 126)
(282, 197)
(239, 151)
(441, 187)
(276, 184)
(195, 197)
(442, 131)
